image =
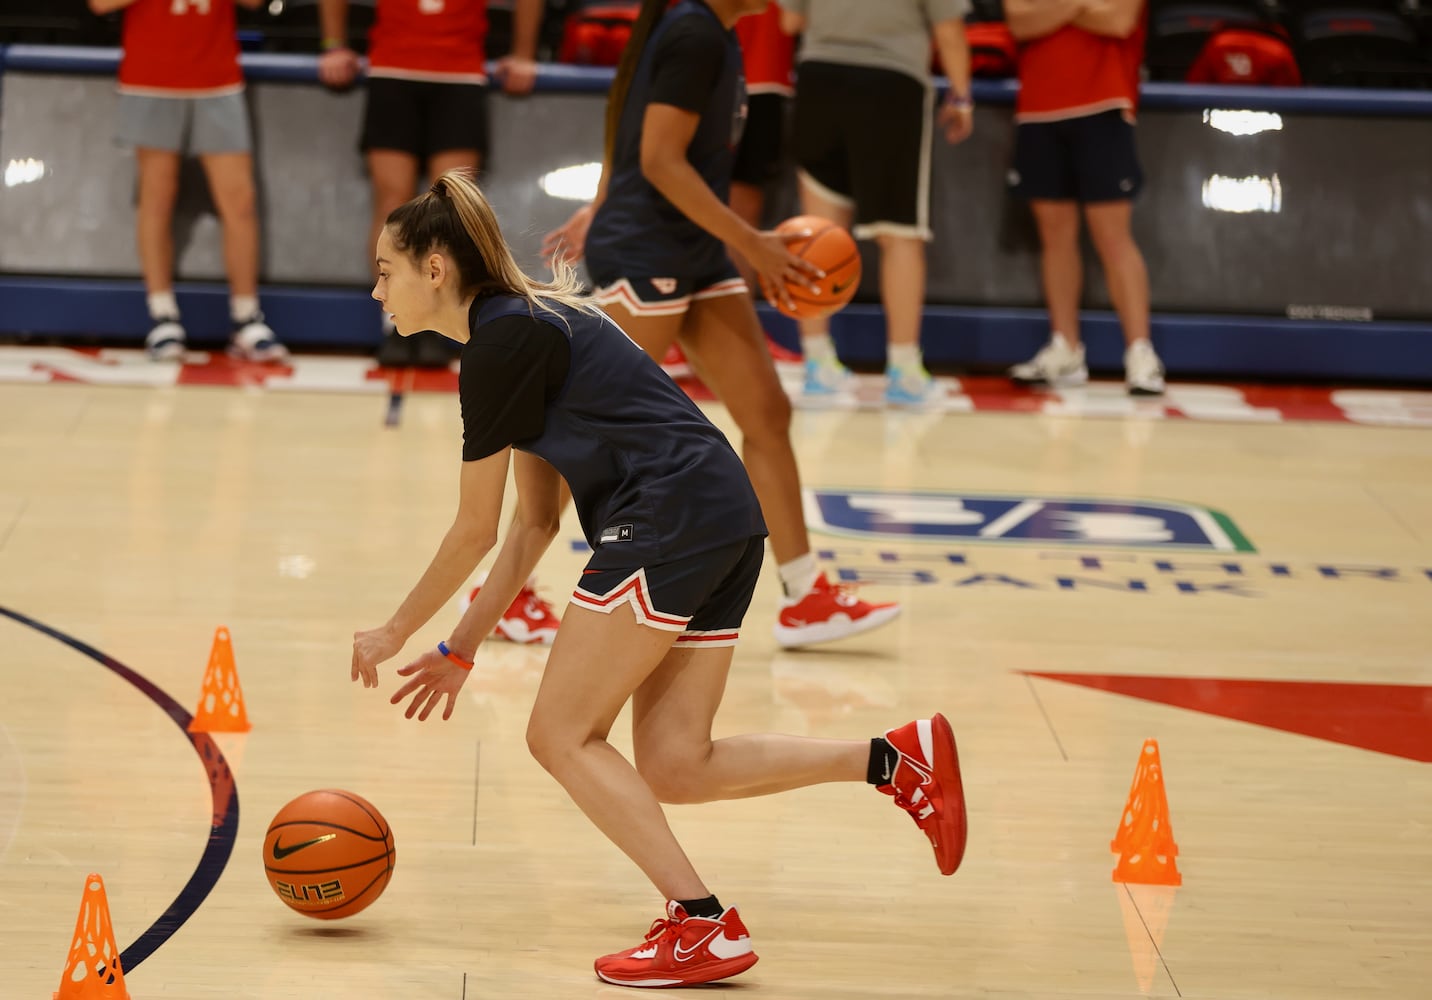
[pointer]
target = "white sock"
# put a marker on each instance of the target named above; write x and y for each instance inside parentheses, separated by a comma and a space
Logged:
(905, 357)
(243, 308)
(799, 575)
(163, 305)
(819, 347)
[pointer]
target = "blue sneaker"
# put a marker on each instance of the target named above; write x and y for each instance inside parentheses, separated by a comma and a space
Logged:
(911, 387)
(827, 378)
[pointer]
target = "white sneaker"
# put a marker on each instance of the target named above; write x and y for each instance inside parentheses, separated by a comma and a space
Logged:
(1143, 371)
(827, 377)
(1056, 364)
(255, 341)
(165, 341)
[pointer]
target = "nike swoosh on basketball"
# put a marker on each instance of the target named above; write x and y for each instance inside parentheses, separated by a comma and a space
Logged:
(280, 852)
(837, 289)
(686, 954)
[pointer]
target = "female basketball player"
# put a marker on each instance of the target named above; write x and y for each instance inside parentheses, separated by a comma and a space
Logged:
(677, 539)
(655, 242)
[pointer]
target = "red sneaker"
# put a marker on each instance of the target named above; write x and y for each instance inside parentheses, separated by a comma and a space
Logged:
(674, 363)
(926, 784)
(682, 951)
(830, 611)
(529, 619)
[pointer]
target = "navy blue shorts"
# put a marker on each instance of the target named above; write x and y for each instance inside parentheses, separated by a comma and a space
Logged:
(703, 597)
(1087, 159)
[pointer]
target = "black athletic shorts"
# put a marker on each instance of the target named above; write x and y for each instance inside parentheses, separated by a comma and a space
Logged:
(702, 597)
(763, 144)
(1088, 159)
(861, 136)
(423, 117)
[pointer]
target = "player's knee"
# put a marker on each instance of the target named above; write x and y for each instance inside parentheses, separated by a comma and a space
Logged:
(768, 417)
(237, 204)
(675, 777)
(547, 743)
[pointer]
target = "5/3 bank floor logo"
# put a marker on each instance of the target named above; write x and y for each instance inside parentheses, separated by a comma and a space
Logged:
(1015, 518)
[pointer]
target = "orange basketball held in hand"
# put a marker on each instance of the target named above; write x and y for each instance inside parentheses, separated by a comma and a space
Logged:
(830, 248)
(328, 854)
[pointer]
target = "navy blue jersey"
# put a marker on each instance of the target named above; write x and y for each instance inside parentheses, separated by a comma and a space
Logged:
(653, 480)
(692, 62)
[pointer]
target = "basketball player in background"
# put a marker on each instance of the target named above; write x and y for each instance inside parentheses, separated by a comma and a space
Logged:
(1074, 154)
(863, 115)
(181, 90)
(426, 106)
(677, 539)
(655, 242)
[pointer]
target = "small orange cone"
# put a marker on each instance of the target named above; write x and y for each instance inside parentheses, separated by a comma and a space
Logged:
(92, 971)
(1144, 839)
(221, 703)
(1146, 795)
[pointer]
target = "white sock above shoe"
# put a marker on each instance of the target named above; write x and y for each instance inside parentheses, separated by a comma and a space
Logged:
(162, 305)
(243, 308)
(818, 347)
(799, 575)
(904, 358)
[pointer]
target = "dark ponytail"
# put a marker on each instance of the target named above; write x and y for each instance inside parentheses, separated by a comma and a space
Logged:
(651, 11)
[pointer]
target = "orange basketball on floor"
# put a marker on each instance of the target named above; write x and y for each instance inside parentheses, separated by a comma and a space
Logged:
(328, 854)
(833, 250)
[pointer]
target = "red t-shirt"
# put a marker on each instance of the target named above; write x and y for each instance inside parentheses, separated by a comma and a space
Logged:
(768, 52)
(181, 48)
(443, 40)
(1072, 73)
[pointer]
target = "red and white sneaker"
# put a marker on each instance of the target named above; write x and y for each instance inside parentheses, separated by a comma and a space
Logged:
(926, 784)
(682, 951)
(830, 611)
(529, 619)
(674, 363)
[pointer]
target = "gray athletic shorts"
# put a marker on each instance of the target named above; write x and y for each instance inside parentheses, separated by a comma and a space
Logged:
(185, 124)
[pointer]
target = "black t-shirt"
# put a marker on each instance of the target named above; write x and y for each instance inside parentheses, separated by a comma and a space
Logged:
(687, 62)
(690, 62)
(511, 369)
(652, 479)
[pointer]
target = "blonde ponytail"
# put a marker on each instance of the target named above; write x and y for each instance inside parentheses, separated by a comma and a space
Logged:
(455, 216)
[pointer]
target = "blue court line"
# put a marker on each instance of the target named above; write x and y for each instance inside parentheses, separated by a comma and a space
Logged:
(224, 825)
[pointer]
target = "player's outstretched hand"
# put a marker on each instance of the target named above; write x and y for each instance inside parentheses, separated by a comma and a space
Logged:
(569, 240)
(431, 677)
(371, 648)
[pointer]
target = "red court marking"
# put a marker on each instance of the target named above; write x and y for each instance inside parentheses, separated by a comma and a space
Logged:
(1386, 718)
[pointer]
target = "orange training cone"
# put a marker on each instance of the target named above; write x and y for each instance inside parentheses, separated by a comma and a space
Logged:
(92, 971)
(1145, 863)
(1146, 795)
(221, 703)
